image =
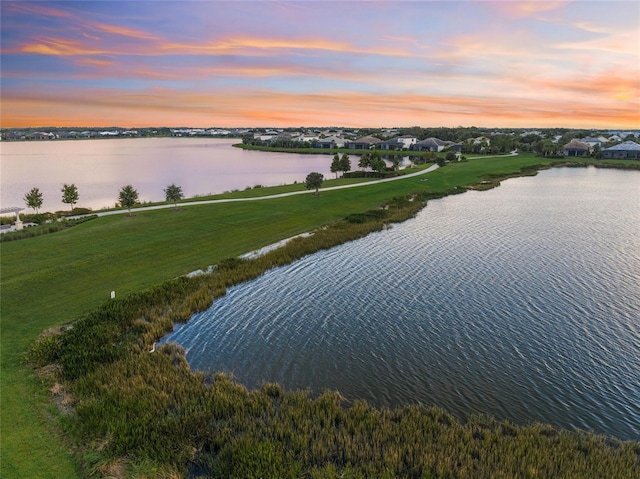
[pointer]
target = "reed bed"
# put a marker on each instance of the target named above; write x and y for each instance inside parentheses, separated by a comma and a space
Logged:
(136, 413)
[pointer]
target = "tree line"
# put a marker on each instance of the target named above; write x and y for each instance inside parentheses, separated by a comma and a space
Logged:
(127, 197)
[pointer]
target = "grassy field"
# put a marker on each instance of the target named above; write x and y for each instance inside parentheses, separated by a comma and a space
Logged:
(54, 279)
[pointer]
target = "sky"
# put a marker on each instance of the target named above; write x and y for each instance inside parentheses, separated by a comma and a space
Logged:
(146, 63)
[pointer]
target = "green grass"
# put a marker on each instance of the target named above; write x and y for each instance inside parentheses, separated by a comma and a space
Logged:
(57, 278)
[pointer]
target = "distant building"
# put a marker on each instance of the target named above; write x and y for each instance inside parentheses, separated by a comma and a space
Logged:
(364, 143)
(399, 143)
(592, 141)
(629, 150)
(436, 145)
(576, 148)
(330, 142)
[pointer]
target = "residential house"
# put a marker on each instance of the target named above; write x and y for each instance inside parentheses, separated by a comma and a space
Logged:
(479, 140)
(364, 143)
(576, 148)
(399, 143)
(330, 142)
(436, 145)
(629, 150)
(42, 135)
(592, 141)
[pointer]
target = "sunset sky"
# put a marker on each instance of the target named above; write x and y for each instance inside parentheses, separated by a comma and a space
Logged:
(321, 63)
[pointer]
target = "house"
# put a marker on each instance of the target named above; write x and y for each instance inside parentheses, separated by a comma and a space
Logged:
(592, 141)
(576, 148)
(330, 142)
(629, 150)
(399, 143)
(436, 145)
(364, 143)
(42, 135)
(479, 140)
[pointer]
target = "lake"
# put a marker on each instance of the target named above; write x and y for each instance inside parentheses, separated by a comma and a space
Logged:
(522, 302)
(99, 168)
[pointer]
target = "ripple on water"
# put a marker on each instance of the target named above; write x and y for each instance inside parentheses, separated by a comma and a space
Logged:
(521, 302)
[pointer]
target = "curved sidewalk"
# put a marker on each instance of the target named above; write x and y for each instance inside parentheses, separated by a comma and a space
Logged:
(257, 198)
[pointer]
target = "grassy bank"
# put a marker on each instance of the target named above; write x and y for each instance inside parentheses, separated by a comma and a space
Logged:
(57, 278)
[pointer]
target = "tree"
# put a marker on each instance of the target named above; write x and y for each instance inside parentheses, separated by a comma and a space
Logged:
(173, 193)
(376, 162)
(314, 180)
(70, 194)
(335, 165)
(345, 163)
(364, 162)
(128, 197)
(33, 199)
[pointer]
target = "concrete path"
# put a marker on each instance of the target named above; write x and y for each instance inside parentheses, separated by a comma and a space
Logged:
(257, 198)
(281, 195)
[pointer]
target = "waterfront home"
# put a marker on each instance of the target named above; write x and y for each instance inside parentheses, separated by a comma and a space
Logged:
(576, 148)
(330, 142)
(364, 143)
(399, 143)
(436, 145)
(629, 150)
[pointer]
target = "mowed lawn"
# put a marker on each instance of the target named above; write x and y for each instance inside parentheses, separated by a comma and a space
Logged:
(54, 279)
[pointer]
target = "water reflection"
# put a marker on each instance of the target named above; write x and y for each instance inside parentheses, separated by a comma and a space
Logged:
(99, 168)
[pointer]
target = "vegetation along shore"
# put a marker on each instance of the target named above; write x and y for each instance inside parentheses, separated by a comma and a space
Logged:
(84, 396)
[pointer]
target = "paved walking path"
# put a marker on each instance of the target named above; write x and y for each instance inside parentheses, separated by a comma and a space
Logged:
(256, 198)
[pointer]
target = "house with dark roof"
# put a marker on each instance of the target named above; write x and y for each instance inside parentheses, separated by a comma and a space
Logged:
(330, 142)
(436, 145)
(399, 143)
(364, 143)
(628, 150)
(576, 148)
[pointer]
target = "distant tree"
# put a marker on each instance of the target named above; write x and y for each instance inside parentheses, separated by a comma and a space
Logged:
(314, 180)
(34, 199)
(440, 161)
(174, 194)
(376, 162)
(428, 156)
(450, 156)
(364, 161)
(597, 152)
(128, 197)
(396, 162)
(345, 163)
(70, 194)
(335, 165)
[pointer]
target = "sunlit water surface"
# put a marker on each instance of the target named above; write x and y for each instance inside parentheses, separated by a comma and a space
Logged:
(99, 168)
(522, 302)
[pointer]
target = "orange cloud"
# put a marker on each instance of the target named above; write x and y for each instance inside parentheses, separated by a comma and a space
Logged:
(60, 47)
(125, 32)
(264, 108)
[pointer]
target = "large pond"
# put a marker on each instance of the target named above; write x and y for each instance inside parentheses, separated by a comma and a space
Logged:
(99, 168)
(522, 302)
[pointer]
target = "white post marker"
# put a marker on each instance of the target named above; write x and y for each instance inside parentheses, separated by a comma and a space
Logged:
(113, 295)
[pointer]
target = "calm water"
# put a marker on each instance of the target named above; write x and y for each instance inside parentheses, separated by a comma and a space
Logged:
(522, 302)
(99, 168)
